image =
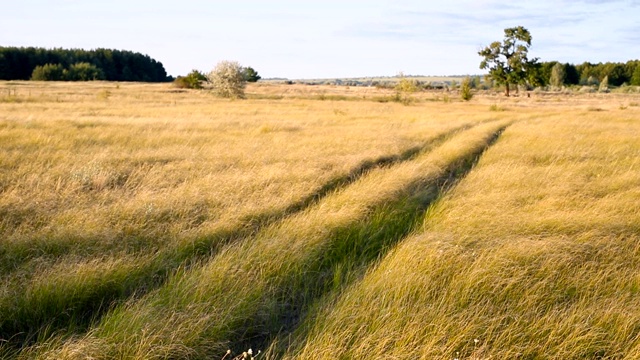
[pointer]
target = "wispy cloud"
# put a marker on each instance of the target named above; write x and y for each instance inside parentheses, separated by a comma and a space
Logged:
(325, 38)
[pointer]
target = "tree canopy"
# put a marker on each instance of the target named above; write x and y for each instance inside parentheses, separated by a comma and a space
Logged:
(508, 61)
(19, 63)
(250, 74)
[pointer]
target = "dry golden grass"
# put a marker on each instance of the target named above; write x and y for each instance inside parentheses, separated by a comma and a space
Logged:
(126, 182)
(107, 190)
(77, 166)
(253, 287)
(533, 255)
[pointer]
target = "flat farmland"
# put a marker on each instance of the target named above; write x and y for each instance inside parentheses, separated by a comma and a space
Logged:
(140, 221)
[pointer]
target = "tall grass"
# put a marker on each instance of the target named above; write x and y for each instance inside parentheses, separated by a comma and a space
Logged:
(102, 199)
(74, 290)
(196, 224)
(533, 255)
(247, 291)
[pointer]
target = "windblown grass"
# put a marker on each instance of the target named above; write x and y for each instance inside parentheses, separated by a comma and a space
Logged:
(248, 291)
(533, 255)
(102, 198)
(138, 221)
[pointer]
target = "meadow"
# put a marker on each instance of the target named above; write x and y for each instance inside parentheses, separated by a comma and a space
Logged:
(140, 221)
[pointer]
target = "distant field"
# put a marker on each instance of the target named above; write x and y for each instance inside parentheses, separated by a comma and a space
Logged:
(372, 79)
(140, 221)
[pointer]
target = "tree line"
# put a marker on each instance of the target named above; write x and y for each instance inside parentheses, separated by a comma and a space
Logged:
(587, 73)
(24, 63)
(508, 63)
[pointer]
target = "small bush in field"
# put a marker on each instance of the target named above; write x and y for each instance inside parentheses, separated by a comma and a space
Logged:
(228, 80)
(48, 72)
(192, 81)
(251, 75)
(465, 89)
(604, 85)
(558, 76)
(404, 88)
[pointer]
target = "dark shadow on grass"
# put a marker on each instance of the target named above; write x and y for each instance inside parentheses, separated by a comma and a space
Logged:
(353, 250)
(24, 321)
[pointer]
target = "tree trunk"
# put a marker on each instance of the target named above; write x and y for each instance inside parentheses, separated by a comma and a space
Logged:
(506, 91)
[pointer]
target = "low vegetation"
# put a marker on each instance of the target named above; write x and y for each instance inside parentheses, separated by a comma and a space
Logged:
(533, 255)
(228, 80)
(315, 222)
(193, 80)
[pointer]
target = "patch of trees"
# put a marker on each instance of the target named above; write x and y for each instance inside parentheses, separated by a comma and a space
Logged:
(558, 74)
(508, 64)
(250, 74)
(20, 63)
(195, 78)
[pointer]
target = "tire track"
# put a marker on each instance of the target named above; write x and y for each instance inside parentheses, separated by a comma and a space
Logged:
(36, 307)
(257, 287)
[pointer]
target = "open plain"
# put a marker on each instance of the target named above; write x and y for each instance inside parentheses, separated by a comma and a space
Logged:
(141, 221)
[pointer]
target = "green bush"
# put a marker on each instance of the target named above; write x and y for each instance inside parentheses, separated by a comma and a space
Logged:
(192, 81)
(404, 88)
(635, 78)
(83, 71)
(48, 72)
(465, 89)
(251, 75)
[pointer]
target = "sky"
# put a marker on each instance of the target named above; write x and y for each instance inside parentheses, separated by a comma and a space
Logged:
(297, 39)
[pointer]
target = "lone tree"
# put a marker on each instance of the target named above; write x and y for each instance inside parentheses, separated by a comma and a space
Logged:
(228, 79)
(558, 76)
(507, 61)
(251, 75)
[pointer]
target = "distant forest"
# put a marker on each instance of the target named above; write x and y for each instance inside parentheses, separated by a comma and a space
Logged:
(24, 63)
(590, 74)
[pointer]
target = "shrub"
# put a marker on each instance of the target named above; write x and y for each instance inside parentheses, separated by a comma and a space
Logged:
(192, 81)
(591, 80)
(465, 89)
(404, 88)
(604, 85)
(628, 89)
(251, 75)
(557, 76)
(83, 71)
(227, 79)
(48, 72)
(635, 78)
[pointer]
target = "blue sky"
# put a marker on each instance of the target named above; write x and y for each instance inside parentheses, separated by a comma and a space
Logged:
(328, 38)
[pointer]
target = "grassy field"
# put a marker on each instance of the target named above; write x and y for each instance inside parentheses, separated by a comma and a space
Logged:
(139, 221)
